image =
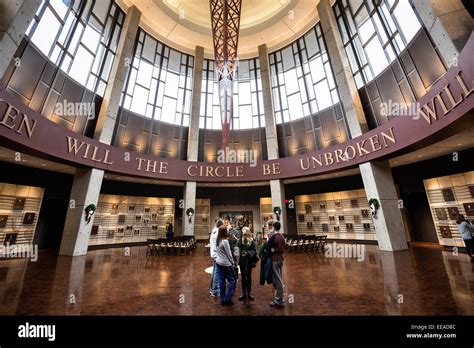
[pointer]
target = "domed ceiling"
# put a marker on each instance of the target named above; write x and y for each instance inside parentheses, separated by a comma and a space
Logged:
(185, 24)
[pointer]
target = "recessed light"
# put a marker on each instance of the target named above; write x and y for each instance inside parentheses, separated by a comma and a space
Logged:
(419, 156)
(459, 144)
(43, 164)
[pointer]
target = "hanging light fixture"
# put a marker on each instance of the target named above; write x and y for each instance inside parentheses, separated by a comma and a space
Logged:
(225, 17)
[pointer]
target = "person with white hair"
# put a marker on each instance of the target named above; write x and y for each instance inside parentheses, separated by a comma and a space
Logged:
(214, 290)
(247, 261)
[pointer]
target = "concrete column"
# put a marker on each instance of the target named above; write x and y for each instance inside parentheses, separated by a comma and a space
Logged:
(85, 190)
(193, 132)
(87, 182)
(189, 202)
(270, 123)
(15, 18)
(377, 176)
(110, 105)
(389, 227)
(193, 140)
(345, 82)
(277, 188)
(448, 23)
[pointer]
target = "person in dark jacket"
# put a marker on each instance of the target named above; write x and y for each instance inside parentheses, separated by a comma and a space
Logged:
(276, 247)
(247, 251)
(169, 231)
(265, 265)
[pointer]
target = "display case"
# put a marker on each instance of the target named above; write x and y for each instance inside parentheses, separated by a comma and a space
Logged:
(202, 220)
(339, 215)
(19, 211)
(449, 196)
(130, 219)
(266, 213)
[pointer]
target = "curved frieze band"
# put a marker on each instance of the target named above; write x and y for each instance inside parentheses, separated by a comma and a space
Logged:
(447, 101)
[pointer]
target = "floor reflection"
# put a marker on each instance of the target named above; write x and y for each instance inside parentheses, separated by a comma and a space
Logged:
(418, 281)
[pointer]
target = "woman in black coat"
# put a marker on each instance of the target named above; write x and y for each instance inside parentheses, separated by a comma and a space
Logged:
(248, 259)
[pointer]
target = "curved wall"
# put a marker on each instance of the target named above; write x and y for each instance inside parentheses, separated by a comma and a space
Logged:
(447, 102)
(405, 81)
(41, 85)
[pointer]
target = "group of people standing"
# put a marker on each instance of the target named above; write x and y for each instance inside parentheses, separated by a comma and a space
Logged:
(229, 248)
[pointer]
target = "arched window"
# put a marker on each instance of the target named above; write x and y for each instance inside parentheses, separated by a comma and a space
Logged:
(80, 37)
(374, 35)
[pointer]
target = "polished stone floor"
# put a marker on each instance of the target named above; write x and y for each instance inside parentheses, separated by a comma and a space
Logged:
(419, 281)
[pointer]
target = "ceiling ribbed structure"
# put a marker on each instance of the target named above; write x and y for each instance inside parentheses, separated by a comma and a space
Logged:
(184, 24)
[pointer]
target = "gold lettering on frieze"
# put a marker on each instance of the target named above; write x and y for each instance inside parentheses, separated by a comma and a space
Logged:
(442, 103)
(360, 147)
(339, 156)
(140, 161)
(192, 167)
(390, 137)
(328, 159)
(230, 173)
(86, 151)
(374, 141)
(454, 103)
(150, 166)
(29, 128)
(217, 171)
(9, 116)
(106, 157)
(463, 85)
(94, 154)
(8, 120)
(74, 146)
(273, 169)
(428, 112)
(163, 167)
(239, 171)
(266, 169)
(276, 168)
(302, 166)
(346, 152)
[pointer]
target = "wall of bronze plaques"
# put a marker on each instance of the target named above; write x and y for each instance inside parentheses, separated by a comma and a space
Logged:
(19, 211)
(448, 197)
(339, 215)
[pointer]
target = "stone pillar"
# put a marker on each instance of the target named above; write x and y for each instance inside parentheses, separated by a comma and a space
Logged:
(193, 140)
(87, 182)
(85, 190)
(377, 176)
(389, 227)
(449, 25)
(15, 18)
(107, 117)
(189, 202)
(345, 82)
(277, 188)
